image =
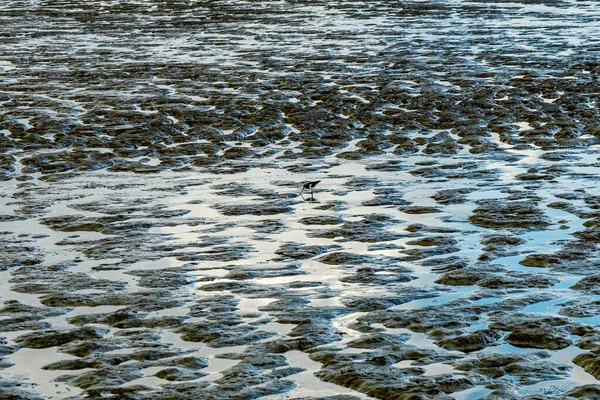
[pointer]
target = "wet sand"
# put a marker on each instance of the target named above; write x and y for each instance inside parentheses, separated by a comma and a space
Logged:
(155, 244)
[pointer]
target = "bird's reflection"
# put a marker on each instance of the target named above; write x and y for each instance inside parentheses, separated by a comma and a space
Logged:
(310, 199)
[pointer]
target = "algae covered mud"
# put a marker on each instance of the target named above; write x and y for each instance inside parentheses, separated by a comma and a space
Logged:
(154, 244)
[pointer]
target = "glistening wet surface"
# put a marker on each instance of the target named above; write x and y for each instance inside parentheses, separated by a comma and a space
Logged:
(155, 244)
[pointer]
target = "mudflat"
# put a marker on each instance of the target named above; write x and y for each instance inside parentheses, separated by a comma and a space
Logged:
(154, 243)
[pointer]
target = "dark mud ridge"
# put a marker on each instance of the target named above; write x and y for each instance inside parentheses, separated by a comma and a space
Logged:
(154, 243)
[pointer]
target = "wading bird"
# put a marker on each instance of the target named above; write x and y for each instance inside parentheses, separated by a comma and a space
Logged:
(309, 185)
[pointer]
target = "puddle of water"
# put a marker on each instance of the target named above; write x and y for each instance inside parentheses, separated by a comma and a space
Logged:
(28, 360)
(214, 272)
(438, 369)
(216, 368)
(473, 393)
(253, 305)
(148, 381)
(328, 302)
(308, 385)
(550, 306)
(417, 339)
(281, 329)
(92, 310)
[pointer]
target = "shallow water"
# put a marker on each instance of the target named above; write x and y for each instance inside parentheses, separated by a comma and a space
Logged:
(155, 242)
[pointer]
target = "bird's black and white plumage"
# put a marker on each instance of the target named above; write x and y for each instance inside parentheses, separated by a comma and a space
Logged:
(309, 186)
